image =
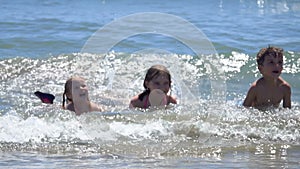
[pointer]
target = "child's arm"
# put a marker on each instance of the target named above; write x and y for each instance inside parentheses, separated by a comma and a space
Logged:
(172, 100)
(135, 102)
(287, 96)
(131, 105)
(96, 107)
(250, 98)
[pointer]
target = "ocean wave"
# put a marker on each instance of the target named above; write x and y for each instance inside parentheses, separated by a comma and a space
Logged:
(198, 123)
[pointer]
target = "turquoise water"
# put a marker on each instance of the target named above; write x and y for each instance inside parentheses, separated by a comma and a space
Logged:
(44, 42)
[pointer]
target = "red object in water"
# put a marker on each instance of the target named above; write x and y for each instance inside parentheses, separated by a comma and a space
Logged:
(45, 97)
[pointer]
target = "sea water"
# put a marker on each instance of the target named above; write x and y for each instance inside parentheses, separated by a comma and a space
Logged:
(209, 48)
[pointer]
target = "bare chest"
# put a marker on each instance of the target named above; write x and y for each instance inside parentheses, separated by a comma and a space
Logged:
(271, 96)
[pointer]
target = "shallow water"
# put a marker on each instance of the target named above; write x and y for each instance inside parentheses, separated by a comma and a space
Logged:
(46, 42)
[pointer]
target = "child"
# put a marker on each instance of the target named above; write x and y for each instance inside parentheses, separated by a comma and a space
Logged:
(157, 77)
(270, 89)
(76, 92)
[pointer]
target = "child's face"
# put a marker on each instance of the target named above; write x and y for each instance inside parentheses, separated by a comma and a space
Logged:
(79, 89)
(272, 66)
(160, 82)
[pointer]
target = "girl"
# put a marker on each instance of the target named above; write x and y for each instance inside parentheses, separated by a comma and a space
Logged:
(76, 97)
(157, 77)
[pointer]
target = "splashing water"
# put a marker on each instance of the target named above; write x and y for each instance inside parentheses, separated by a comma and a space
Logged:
(197, 126)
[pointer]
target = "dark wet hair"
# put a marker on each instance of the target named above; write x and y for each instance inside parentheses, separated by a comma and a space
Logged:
(271, 50)
(67, 92)
(153, 72)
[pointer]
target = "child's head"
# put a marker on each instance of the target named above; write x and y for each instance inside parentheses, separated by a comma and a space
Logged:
(270, 51)
(157, 77)
(75, 88)
(270, 61)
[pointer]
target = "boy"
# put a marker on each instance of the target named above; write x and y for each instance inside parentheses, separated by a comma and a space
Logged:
(270, 89)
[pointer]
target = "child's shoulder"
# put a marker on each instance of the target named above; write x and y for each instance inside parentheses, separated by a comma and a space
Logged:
(136, 102)
(96, 107)
(135, 98)
(257, 86)
(284, 84)
(257, 83)
(70, 107)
